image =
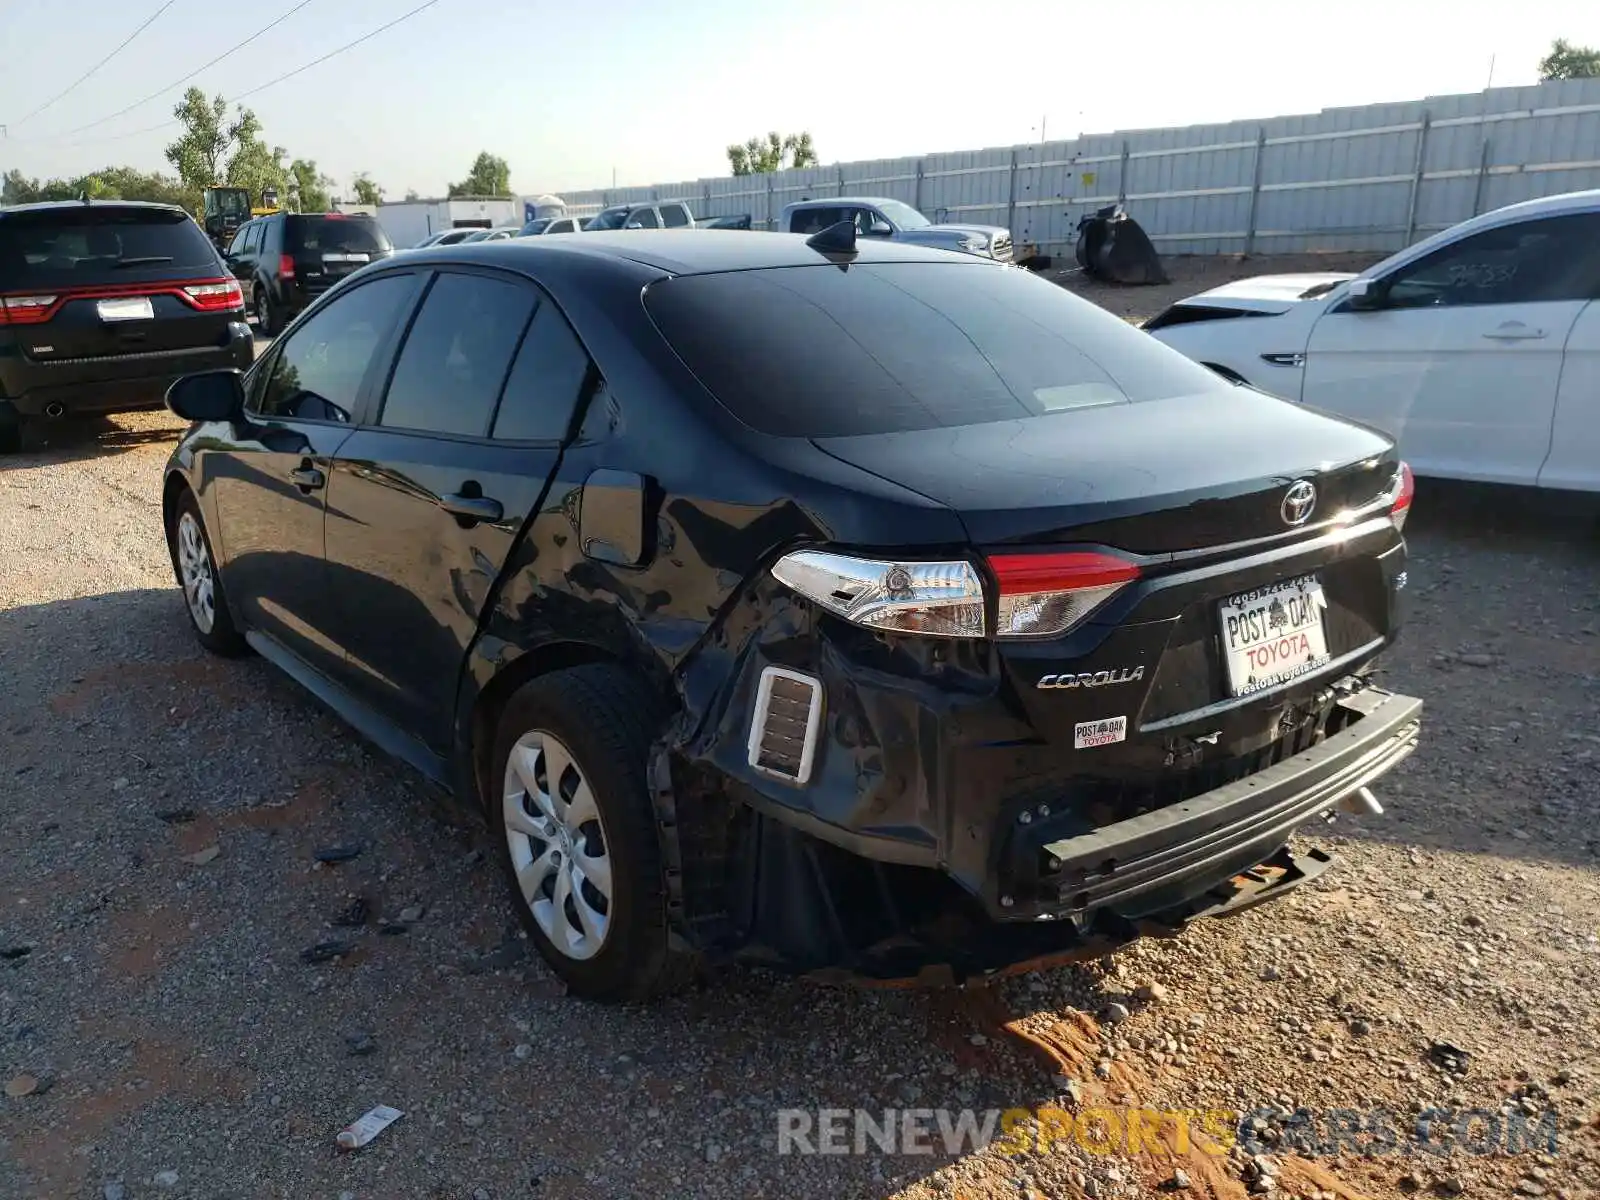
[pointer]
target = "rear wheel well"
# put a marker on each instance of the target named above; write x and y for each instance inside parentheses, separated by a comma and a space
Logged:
(491, 702)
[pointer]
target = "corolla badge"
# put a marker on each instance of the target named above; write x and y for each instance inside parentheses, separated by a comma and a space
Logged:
(1091, 679)
(1299, 502)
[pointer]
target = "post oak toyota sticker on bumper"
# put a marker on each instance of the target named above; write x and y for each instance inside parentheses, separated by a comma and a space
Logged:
(1086, 734)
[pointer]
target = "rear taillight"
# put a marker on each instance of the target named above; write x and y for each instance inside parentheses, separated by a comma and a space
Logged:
(1401, 491)
(935, 599)
(225, 295)
(1045, 595)
(286, 266)
(26, 310)
(1040, 595)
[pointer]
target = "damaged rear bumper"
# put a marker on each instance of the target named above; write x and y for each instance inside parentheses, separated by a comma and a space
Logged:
(1160, 859)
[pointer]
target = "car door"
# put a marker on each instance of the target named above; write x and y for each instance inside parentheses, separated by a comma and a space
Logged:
(270, 487)
(1459, 354)
(1574, 458)
(427, 498)
(241, 257)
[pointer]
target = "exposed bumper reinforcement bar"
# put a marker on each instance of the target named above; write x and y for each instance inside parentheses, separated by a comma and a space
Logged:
(1144, 864)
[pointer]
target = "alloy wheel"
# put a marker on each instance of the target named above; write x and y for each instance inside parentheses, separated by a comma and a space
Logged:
(558, 845)
(194, 566)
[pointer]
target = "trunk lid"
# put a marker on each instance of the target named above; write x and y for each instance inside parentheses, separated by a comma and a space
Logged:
(1159, 477)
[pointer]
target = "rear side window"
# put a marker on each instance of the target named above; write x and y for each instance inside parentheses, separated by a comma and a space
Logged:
(456, 357)
(883, 348)
(337, 235)
(66, 247)
(545, 383)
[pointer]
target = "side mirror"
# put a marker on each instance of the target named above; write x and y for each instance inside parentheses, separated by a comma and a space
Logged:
(633, 225)
(1364, 295)
(208, 396)
(880, 229)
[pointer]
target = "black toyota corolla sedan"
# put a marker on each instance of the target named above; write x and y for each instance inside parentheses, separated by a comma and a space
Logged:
(867, 611)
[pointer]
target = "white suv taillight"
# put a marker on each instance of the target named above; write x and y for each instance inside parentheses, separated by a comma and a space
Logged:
(936, 599)
(1401, 491)
(1045, 595)
(1040, 595)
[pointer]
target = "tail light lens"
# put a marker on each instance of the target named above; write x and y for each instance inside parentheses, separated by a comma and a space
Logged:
(286, 266)
(1403, 488)
(1045, 595)
(1041, 595)
(935, 599)
(224, 295)
(26, 310)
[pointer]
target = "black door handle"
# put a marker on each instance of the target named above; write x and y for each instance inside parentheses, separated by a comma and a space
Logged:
(472, 509)
(308, 478)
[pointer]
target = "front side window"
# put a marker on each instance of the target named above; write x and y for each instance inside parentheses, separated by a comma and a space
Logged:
(456, 356)
(815, 220)
(609, 218)
(317, 375)
(1550, 259)
(888, 347)
(675, 216)
(236, 247)
(644, 218)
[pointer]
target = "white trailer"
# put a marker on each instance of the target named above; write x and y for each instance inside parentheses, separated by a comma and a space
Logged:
(407, 222)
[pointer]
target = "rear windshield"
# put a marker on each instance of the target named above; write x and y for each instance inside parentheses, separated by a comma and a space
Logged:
(65, 247)
(339, 235)
(884, 348)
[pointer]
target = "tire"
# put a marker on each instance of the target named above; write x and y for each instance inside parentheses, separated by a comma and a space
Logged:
(267, 319)
(194, 566)
(594, 725)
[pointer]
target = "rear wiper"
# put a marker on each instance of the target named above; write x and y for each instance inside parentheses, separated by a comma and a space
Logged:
(148, 260)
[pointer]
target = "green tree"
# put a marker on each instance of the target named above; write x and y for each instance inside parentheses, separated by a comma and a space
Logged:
(777, 152)
(366, 191)
(1566, 61)
(311, 186)
(253, 165)
(200, 150)
(17, 188)
(108, 183)
(411, 194)
(490, 176)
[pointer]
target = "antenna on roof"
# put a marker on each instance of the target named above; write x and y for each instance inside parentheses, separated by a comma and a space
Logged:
(838, 238)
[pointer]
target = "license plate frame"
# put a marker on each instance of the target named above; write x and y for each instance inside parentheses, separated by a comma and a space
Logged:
(1273, 634)
(126, 308)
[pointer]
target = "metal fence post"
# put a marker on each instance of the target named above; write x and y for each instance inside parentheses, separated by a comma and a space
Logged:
(705, 199)
(1255, 192)
(1011, 199)
(1122, 175)
(916, 198)
(1416, 178)
(771, 216)
(841, 179)
(1483, 169)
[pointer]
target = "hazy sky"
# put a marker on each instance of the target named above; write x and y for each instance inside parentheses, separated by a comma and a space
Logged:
(569, 92)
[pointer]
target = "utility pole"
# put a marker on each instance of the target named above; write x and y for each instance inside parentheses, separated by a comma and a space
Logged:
(1490, 84)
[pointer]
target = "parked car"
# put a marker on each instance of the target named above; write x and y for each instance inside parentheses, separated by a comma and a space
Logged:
(892, 220)
(103, 304)
(447, 237)
(286, 260)
(663, 214)
(540, 226)
(985, 642)
(498, 234)
(740, 221)
(1478, 348)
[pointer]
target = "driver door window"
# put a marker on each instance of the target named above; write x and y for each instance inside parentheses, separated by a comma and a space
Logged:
(1531, 262)
(870, 223)
(318, 373)
(645, 218)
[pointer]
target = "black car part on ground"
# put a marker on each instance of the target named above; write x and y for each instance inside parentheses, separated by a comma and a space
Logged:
(104, 304)
(1113, 247)
(833, 794)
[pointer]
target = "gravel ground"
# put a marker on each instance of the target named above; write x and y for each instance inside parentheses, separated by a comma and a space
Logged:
(161, 1035)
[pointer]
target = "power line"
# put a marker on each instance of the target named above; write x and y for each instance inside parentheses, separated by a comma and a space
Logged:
(279, 79)
(179, 83)
(125, 42)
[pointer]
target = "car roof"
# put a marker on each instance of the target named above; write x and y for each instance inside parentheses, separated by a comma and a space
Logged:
(690, 251)
(835, 201)
(80, 205)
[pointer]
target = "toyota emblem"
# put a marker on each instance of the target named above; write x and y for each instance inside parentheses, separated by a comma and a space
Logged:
(1299, 502)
